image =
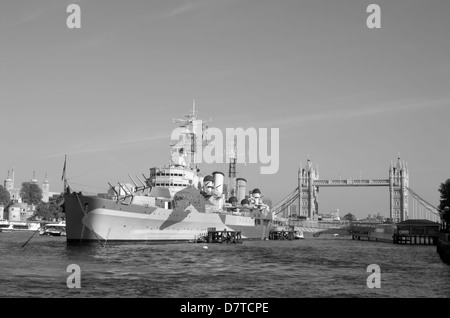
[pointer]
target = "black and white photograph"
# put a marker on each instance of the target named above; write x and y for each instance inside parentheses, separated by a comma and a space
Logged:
(225, 156)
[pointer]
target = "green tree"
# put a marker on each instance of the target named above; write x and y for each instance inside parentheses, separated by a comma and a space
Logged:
(4, 196)
(445, 194)
(31, 193)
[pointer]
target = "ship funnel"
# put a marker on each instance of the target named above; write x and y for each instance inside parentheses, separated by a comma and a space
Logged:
(208, 184)
(218, 185)
(241, 185)
(218, 182)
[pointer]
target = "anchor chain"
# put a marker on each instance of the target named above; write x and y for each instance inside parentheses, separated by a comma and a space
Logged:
(89, 227)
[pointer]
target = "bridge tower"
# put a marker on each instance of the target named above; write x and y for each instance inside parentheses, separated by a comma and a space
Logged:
(307, 200)
(398, 191)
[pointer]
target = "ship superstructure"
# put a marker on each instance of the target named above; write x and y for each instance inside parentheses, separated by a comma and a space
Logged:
(182, 171)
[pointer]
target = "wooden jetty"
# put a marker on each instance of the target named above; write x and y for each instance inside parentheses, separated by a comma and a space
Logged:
(224, 236)
(424, 232)
(366, 237)
(415, 239)
(374, 232)
(282, 235)
(285, 233)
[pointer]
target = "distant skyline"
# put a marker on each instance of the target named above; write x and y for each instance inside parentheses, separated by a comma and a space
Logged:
(350, 98)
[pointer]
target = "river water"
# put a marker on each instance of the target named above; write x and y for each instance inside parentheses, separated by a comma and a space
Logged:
(314, 267)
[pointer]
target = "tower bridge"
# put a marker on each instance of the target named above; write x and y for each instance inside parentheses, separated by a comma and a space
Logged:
(306, 193)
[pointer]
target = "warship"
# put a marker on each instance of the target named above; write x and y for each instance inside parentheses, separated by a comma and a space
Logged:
(174, 203)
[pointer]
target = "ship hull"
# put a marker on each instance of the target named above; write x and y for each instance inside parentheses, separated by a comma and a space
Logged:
(93, 219)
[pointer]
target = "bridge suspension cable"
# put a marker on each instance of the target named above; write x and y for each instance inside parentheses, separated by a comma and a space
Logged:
(285, 203)
(428, 206)
(434, 211)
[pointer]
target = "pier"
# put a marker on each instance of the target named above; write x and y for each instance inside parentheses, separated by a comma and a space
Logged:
(398, 238)
(229, 237)
(282, 235)
(286, 232)
(415, 239)
(413, 232)
(424, 232)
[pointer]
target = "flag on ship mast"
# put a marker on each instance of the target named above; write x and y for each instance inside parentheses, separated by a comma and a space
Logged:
(63, 177)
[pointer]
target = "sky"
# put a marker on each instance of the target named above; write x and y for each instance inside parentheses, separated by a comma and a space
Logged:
(350, 98)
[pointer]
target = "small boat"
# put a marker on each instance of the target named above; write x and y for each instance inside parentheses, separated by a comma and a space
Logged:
(53, 229)
(298, 234)
(14, 226)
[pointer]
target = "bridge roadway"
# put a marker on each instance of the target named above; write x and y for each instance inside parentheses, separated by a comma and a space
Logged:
(351, 182)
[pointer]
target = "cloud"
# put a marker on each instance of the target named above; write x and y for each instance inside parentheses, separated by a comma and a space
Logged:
(197, 5)
(368, 110)
(189, 6)
(29, 14)
(103, 146)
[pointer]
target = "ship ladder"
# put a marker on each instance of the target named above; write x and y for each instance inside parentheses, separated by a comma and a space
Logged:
(89, 227)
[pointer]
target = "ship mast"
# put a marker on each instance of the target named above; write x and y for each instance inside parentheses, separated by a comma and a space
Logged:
(192, 135)
(232, 169)
(193, 128)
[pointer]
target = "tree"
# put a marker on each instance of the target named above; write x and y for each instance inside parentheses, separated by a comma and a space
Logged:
(43, 212)
(31, 193)
(4, 196)
(49, 210)
(445, 194)
(349, 217)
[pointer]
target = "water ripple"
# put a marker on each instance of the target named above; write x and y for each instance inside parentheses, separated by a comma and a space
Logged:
(309, 268)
